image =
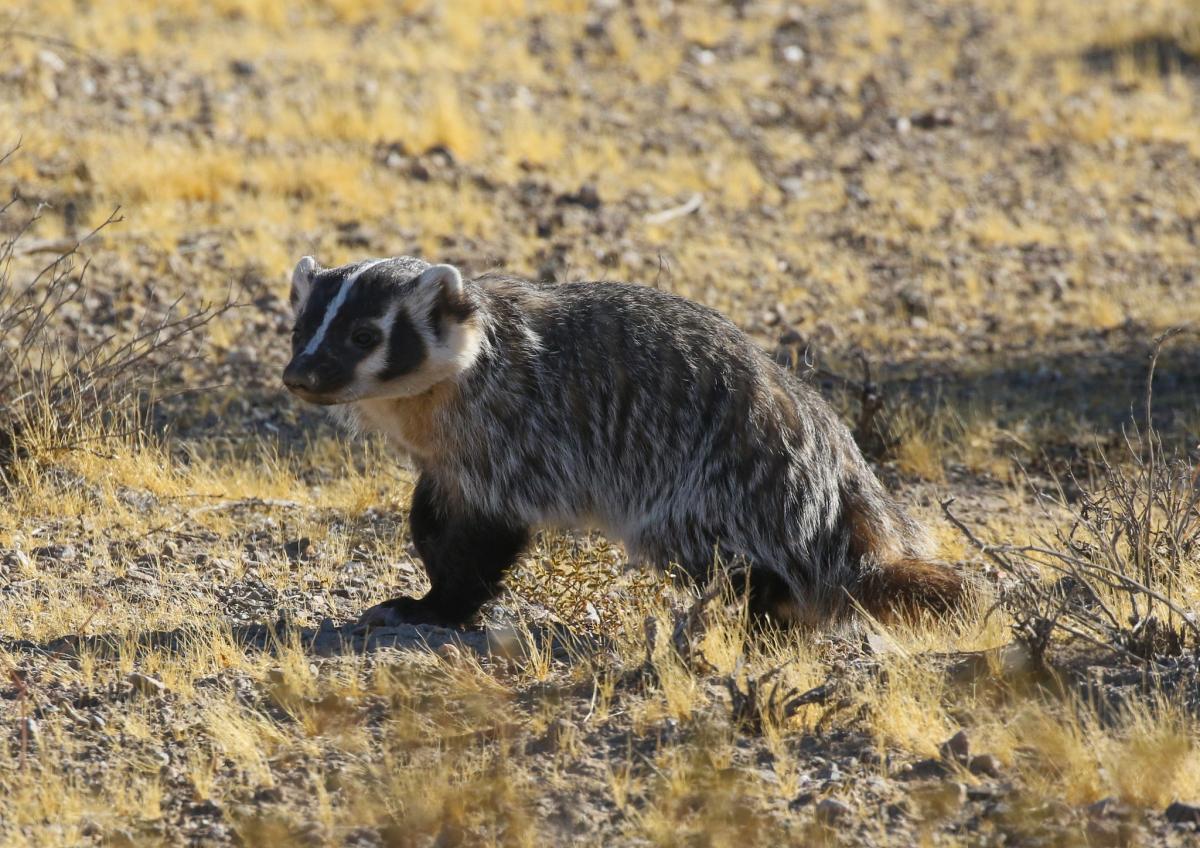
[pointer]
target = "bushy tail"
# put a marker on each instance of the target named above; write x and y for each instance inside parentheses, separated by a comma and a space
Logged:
(897, 575)
(909, 589)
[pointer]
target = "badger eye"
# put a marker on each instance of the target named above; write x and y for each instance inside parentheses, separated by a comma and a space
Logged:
(365, 337)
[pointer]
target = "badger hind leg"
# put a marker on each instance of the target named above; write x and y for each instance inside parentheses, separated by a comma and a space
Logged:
(769, 598)
(466, 554)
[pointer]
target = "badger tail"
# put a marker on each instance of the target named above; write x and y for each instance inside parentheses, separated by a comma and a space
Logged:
(896, 575)
(909, 589)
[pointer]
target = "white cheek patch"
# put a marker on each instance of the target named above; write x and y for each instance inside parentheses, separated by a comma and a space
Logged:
(334, 305)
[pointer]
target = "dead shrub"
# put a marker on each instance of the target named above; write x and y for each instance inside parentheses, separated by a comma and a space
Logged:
(60, 388)
(1123, 568)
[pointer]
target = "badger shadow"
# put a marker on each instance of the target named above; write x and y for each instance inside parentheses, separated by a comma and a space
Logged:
(503, 641)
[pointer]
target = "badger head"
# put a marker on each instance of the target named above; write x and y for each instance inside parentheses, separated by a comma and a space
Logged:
(383, 328)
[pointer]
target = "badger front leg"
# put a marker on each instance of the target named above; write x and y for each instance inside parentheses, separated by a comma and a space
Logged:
(466, 554)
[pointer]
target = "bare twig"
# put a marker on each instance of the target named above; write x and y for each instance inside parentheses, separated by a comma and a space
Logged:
(689, 206)
(993, 552)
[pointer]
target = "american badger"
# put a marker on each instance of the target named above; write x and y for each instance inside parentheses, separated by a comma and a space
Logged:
(602, 405)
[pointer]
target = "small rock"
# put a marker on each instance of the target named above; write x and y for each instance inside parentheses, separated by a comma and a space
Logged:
(449, 653)
(830, 810)
(145, 684)
(592, 614)
(242, 68)
(560, 735)
(296, 549)
(940, 797)
(933, 118)
(800, 801)
(1108, 808)
(206, 808)
(1181, 813)
(793, 186)
(923, 770)
(791, 336)
(986, 765)
(982, 793)
(355, 234)
(956, 749)
(61, 553)
(830, 772)
(29, 729)
(267, 795)
(587, 196)
(879, 644)
(52, 61)
(793, 54)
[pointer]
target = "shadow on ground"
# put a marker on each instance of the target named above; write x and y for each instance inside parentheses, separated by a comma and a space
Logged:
(1080, 393)
(328, 639)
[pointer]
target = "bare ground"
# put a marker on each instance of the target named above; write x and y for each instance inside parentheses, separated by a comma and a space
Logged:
(991, 204)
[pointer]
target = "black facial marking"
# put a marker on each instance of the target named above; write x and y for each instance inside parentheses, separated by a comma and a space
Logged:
(405, 349)
(330, 368)
(324, 290)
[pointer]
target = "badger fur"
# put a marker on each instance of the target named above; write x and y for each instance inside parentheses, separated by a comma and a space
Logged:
(604, 405)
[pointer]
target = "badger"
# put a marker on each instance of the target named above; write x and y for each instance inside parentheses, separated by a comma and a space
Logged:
(607, 406)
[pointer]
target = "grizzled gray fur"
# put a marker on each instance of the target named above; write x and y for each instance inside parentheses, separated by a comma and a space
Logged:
(640, 413)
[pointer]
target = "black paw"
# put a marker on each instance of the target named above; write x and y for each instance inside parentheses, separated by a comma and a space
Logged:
(399, 611)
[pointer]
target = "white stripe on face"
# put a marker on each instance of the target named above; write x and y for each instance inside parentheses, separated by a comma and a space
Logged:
(336, 304)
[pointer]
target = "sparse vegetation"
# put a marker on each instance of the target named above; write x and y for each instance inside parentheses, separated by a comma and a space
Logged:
(992, 202)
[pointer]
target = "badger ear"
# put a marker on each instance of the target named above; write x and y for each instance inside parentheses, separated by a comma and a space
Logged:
(447, 277)
(302, 280)
(441, 287)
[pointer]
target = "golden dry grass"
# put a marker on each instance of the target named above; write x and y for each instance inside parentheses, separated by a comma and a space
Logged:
(1054, 206)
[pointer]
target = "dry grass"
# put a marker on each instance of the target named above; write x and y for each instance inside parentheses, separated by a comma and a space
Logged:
(997, 179)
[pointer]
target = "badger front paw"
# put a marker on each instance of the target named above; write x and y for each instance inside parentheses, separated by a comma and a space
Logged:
(399, 611)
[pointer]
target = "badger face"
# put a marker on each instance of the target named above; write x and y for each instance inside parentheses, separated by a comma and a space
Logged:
(383, 328)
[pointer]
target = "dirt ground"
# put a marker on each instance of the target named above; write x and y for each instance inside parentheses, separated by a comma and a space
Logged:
(987, 210)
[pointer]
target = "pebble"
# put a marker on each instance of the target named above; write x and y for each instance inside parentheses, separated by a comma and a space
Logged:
(145, 684)
(30, 728)
(1181, 813)
(1107, 808)
(957, 748)
(52, 60)
(922, 770)
(987, 765)
(830, 810)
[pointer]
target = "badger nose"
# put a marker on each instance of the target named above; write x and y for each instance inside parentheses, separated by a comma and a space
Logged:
(297, 376)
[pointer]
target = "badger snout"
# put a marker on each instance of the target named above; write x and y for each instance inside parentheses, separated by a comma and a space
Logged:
(309, 380)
